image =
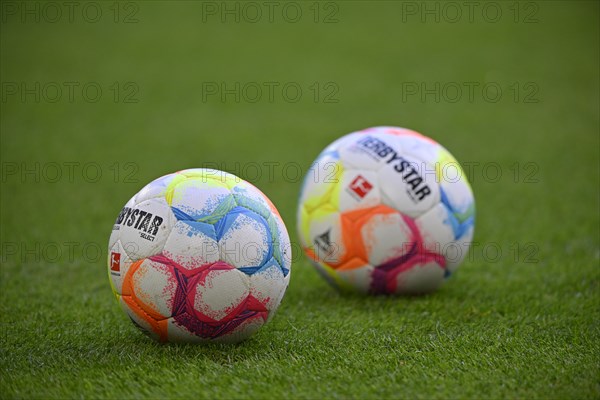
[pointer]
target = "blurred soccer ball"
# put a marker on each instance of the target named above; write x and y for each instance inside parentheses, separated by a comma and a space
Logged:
(386, 210)
(199, 255)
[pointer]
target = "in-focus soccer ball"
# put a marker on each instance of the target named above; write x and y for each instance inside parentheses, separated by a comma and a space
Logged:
(199, 255)
(386, 210)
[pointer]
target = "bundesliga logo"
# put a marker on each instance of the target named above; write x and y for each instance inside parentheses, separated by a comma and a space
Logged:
(115, 262)
(360, 187)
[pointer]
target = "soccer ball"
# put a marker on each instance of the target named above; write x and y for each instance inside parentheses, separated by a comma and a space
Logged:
(199, 256)
(386, 210)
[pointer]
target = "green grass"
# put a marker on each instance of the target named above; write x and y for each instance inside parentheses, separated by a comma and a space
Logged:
(521, 325)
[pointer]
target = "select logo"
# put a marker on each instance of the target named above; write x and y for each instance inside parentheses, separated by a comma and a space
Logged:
(325, 249)
(323, 242)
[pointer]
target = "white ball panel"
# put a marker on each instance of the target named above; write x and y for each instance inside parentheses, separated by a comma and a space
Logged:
(199, 198)
(321, 177)
(156, 188)
(359, 278)
(275, 305)
(435, 230)
(246, 243)
(155, 285)
(386, 236)
(458, 251)
(115, 234)
(190, 247)
(221, 292)
(459, 195)
(419, 147)
(421, 278)
(268, 286)
(285, 245)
